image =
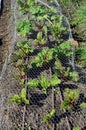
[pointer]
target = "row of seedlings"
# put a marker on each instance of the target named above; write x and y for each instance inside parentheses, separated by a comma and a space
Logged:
(44, 49)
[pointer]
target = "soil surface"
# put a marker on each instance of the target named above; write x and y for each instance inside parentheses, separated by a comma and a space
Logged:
(5, 36)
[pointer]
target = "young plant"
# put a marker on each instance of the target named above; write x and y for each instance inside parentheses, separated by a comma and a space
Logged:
(43, 57)
(40, 40)
(33, 83)
(74, 75)
(21, 98)
(81, 55)
(40, 14)
(24, 27)
(58, 68)
(56, 29)
(49, 116)
(71, 97)
(76, 128)
(25, 5)
(44, 83)
(25, 46)
(64, 49)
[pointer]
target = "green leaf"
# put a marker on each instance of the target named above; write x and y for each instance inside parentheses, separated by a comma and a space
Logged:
(65, 45)
(58, 66)
(50, 54)
(71, 97)
(23, 96)
(39, 35)
(24, 27)
(46, 118)
(43, 57)
(74, 76)
(23, 93)
(44, 82)
(65, 105)
(52, 113)
(22, 81)
(45, 29)
(19, 99)
(76, 128)
(83, 105)
(55, 80)
(33, 83)
(49, 116)
(15, 98)
(42, 42)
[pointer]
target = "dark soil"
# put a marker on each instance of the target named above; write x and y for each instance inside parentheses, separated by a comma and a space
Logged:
(5, 37)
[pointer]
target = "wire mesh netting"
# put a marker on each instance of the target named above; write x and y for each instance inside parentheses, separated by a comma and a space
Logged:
(46, 81)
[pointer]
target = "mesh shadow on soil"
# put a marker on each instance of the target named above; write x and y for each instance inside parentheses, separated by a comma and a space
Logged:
(82, 75)
(82, 98)
(70, 86)
(36, 71)
(1, 42)
(57, 118)
(36, 99)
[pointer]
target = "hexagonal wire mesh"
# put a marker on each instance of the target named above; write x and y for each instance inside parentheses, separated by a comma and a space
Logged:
(41, 104)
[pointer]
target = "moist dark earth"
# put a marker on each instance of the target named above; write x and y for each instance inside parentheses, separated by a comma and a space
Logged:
(11, 115)
(5, 36)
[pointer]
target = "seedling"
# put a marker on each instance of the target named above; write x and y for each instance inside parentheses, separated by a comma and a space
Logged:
(44, 83)
(74, 75)
(48, 117)
(56, 29)
(24, 27)
(21, 98)
(25, 5)
(40, 40)
(71, 97)
(58, 68)
(33, 83)
(43, 57)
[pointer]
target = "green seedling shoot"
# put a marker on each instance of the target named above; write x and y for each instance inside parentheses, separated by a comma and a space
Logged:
(43, 57)
(40, 40)
(21, 98)
(24, 27)
(76, 128)
(48, 117)
(71, 97)
(44, 83)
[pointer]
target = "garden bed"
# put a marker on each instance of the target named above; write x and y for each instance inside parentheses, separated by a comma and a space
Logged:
(42, 102)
